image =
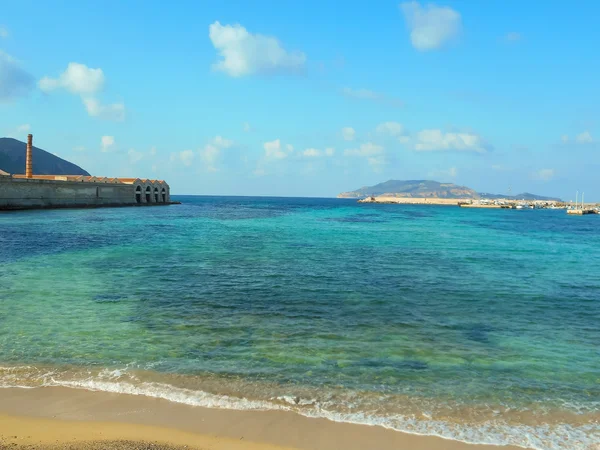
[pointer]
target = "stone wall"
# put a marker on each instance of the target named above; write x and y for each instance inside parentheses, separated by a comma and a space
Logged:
(22, 193)
(148, 192)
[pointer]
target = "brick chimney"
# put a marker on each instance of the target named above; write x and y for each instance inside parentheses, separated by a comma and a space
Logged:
(29, 159)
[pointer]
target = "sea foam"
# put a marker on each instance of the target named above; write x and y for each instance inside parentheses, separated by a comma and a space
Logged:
(540, 437)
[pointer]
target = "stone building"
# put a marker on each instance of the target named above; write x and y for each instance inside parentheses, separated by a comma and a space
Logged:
(32, 191)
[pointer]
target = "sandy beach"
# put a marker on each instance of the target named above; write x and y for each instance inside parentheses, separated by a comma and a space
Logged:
(53, 417)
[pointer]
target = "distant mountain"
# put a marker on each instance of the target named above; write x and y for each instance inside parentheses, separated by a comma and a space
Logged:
(523, 196)
(12, 160)
(413, 188)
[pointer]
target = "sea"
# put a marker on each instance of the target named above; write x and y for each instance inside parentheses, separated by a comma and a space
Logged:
(475, 325)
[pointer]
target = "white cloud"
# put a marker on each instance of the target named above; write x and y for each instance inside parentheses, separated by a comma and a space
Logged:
(3, 32)
(367, 149)
(430, 26)
(246, 127)
(114, 111)
(436, 140)
(243, 53)
(376, 162)
(221, 142)
(20, 131)
(348, 133)
(584, 138)
(363, 94)
(186, 157)
(77, 78)
(373, 153)
(211, 151)
(543, 174)
(452, 172)
(513, 36)
(14, 81)
(316, 153)
(134, 156)
(153, 151)
(107, 142)
(312, 153)
(273, 150)
(367, 94)
(395, 130)
(260, 172)
(209, 155)
(391, 128)
(79, 148)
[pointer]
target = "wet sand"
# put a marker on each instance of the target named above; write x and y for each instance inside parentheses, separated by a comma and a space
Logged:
(54, 417)
(95, 445)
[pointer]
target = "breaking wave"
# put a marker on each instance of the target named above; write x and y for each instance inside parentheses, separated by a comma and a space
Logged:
(581, 431)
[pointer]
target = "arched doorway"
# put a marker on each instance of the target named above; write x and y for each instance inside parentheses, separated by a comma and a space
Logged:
(155, 195)
(164, 195)
(148, 194)
(138, 194)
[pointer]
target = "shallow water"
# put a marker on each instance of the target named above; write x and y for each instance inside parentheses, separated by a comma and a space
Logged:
(478, 325)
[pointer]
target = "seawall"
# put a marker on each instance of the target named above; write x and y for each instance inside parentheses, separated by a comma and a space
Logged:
(23, 193)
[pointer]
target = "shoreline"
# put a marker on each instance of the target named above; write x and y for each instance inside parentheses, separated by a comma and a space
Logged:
(60, 415)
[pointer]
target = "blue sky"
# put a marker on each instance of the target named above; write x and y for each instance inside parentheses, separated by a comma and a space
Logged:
(310, 98)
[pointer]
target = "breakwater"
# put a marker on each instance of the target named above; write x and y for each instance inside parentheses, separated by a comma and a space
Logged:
(589, 208)
(413, 200)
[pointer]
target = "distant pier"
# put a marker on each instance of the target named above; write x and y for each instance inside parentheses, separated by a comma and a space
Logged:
(581, 212)
(582, 209)
(483, 203)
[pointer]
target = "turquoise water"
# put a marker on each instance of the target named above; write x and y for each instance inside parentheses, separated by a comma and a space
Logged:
(477, 325)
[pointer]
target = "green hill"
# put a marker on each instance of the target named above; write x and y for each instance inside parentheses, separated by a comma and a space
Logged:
(413, 188)
(12, 160)
(523, 196)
